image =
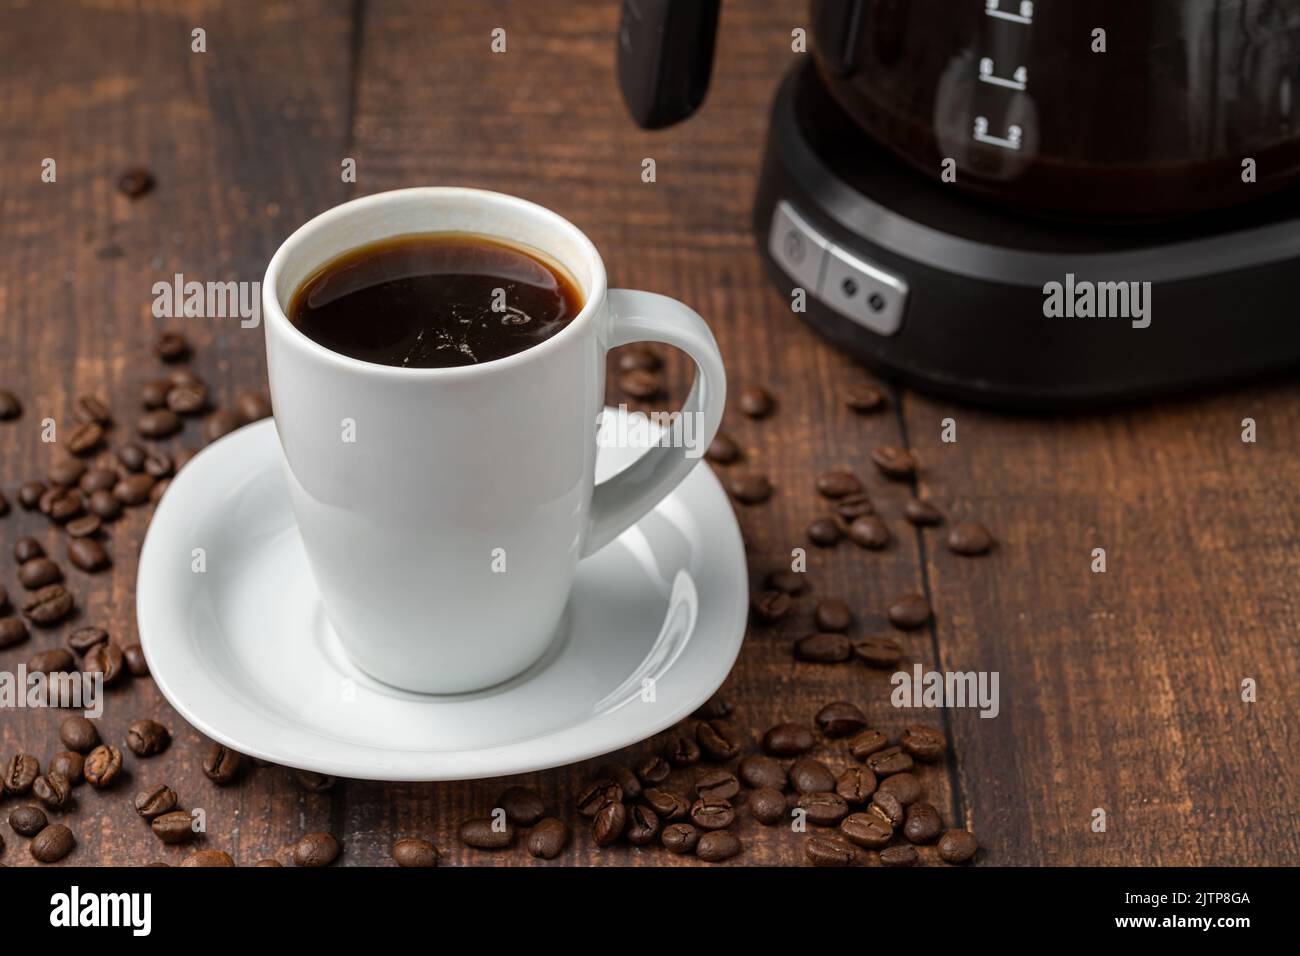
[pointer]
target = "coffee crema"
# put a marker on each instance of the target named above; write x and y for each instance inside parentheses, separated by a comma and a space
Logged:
(435, 300)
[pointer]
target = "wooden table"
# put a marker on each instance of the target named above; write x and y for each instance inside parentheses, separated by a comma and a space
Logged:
(1119, 691)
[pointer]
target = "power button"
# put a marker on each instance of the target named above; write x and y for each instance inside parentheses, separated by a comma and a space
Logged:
(797, 248)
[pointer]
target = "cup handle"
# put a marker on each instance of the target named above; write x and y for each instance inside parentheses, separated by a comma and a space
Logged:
(619, 502)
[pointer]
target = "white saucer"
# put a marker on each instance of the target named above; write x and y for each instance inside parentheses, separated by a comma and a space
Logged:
(244, 652)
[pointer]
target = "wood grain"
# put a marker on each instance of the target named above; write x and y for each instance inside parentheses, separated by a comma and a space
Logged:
(1118, 690)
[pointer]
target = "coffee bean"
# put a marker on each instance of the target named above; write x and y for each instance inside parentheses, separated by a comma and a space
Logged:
(770, 606)
(19, 774)
(717, 783)
(851, 507)
(596, 794)
(208, 858)
(609, 823)
(864, 398)
(866, 830)
(767, 805)
(902, 855)
(85, 438)
(788, 740)
(132, 456)
(221, 764)
(153, 394)
(682, 751)
(714, 708)
(183, 378)
(680, 838)
(103, 764)
(322, 849)
(39, 572)
(252, 406)
(894, 462)
(104, 505)
(133, 657)
(187, 399)
(170, 346)
(158, 465)
(712, 813)
(219, 424)
(523, 806)
(669, 804)
(12, 631)
(786, 581)
(886, 806)
(638, 356)
(891, 760)
(640, 383)
(882, 653)
(755, 401)
(173, 827)
(97, 479)
(89, 409)
(824, 533)
(158, 490)
(134, 184)
(266, 863)
(106, 660)
(957, 846)
(838, 483)
(905, 787)
(70, 765)
(87, 554)
(414, 852)
(829, 851)
(832, 614)
(154, 803)
(146, 738)
(84, 638)
(811, 776)
(824, 809)
(909, 611)
(717, 846)
(642, 825)
(923, 743)
(48, 605)
(28, 820)
(83, 527)
(65, 505)
(25, 549)
(722, 450)
(158, 423)
(823, 648)
(52, 844)
(79, 734)
(921, 513)
(627, 781)
(30, 494)
(66, 472)
(133, 490)
(653, 770)
(548, 838)
(314, 782)
(867, 743)
(856, 785)
(969, 538)
(53, 790)
(840, 719)
(923, 823)
(55, 661)
(760, 772)
(870, 532)
(10, 406)
(719, 739)
(749, 489)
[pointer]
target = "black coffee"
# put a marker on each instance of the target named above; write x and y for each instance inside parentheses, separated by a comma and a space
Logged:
(434, 301)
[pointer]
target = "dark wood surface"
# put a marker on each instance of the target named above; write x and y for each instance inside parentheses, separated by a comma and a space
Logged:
(1118, 690)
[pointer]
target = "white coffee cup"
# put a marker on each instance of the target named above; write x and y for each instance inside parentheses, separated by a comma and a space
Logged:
(444, 510)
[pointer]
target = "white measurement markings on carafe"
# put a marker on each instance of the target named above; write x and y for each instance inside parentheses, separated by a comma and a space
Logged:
(1018, 79)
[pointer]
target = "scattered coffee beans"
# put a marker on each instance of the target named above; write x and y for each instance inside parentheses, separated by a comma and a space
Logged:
(921, 513)
(856, 785)
(870, 532)
(957, 846)
(548, 838)
(749, 489)
(146, 738)
(28, 820)
(788, 740)
(208, 858)
(832, 614)
(523, 806)
(893, 462)
(52, 844)
(905, 787)
(712, 813)
(20, 773)
(755, 401)
(154, 803)
(823, 809)
(609, 823)
(221, 764)
(69, 764)
(767, 805)
(840, 719)
(317, 849)
(717, 846)
(882, 653)
(838, 483)
(759, 771)
(923, 823)
(680, 838)
(103, 764)
(53, 790)
(811, 776)
(901, 855)
(923, 743)
(866, 830)
(823, 648)
(909, 611)
(969, 538)
(719, 739)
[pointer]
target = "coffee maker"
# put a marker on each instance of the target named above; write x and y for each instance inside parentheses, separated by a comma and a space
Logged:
(1039, 205)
